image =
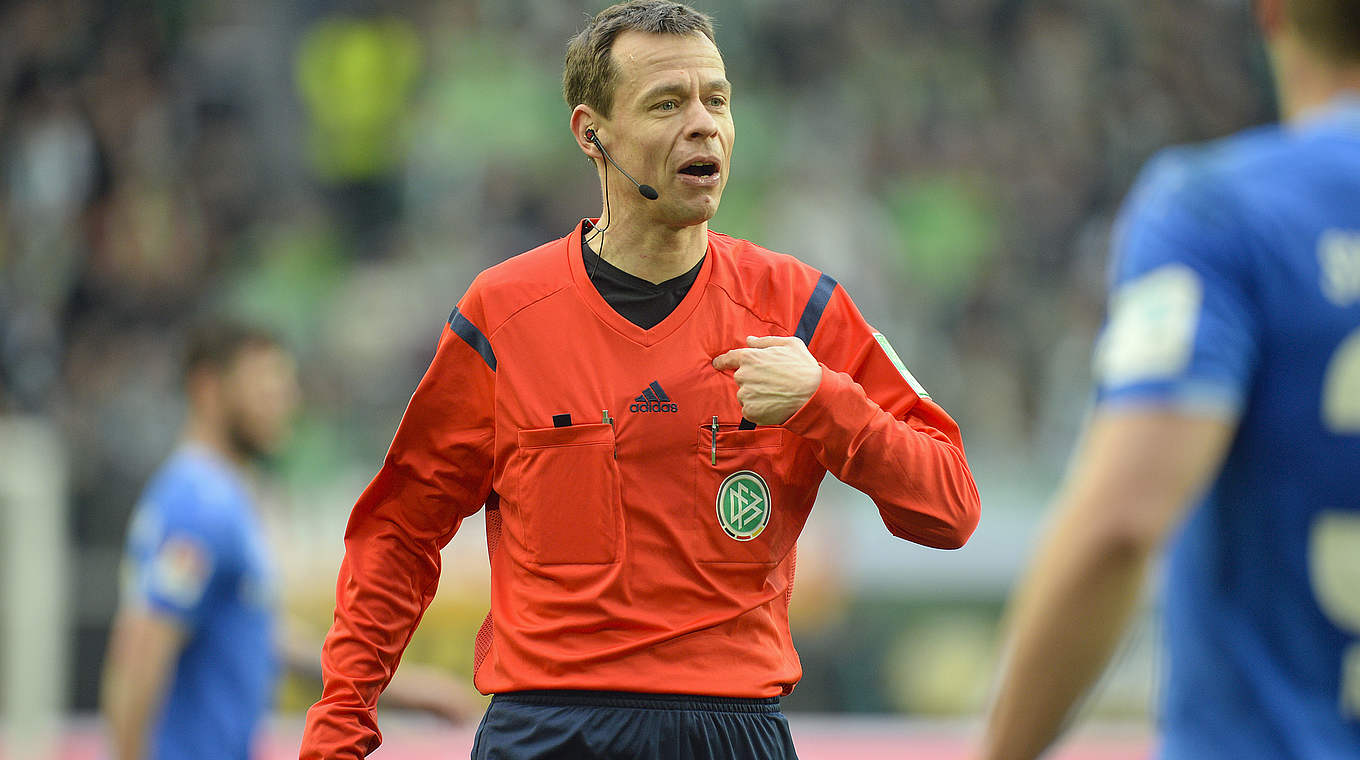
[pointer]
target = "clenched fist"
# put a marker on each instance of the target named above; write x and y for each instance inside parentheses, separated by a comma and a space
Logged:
(775, 377)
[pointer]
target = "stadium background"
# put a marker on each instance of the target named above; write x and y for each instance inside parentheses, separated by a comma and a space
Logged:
(341, 170)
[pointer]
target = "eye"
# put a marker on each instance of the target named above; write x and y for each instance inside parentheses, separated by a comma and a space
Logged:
(667, 105)
(717, 101)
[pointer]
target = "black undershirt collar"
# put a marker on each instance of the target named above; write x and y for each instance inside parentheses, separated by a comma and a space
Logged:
(643, 303)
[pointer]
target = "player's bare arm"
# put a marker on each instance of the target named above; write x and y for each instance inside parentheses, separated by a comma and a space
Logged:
(142, 654)
(1131, 481)
(415, 687)
(420, 687)
(775, 376)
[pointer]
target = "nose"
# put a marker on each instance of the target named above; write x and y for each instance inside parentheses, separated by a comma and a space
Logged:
(702, 124)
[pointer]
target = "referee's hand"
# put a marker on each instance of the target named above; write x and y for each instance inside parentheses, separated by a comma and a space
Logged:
(775, 376)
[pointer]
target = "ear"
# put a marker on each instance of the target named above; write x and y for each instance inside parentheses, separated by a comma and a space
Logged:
(1270, 17)
(583, 117)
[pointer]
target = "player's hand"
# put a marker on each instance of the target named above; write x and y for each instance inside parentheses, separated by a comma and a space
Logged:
(423, 688)
(775, 377)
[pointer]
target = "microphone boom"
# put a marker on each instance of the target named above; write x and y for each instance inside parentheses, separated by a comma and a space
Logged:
(647, 191)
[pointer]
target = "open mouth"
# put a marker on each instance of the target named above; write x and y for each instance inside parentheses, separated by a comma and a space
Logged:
(700, 169)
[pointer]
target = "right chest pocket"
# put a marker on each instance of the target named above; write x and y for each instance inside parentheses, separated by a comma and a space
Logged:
(567, 509)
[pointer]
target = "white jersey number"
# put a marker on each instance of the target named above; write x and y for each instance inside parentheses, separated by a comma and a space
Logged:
(1341, 388)
(1334, 545)
(1334, 566)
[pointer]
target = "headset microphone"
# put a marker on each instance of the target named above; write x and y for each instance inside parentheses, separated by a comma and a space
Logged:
(647, 191)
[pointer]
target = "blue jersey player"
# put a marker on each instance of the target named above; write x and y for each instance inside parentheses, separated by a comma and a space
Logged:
(1227, 429)
(192, 661)
(198, 643)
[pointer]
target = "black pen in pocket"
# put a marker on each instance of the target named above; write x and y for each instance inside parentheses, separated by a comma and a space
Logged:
(745, 424)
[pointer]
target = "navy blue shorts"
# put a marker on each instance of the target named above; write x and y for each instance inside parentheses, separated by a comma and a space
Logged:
(613, 725)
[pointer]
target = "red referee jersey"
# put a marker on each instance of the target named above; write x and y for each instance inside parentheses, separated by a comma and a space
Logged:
(638, 548)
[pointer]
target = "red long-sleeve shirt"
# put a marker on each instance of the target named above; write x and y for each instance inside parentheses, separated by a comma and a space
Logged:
(652, 552)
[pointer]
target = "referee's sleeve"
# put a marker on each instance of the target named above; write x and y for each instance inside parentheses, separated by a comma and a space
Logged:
(436, 472)
(873, 427)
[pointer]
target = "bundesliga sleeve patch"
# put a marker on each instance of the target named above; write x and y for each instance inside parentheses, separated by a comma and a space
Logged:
(179, 571)
(1339, 263)
(902, 368)
(1151, 330)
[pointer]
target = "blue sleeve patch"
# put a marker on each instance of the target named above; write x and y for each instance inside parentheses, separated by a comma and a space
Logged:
(1181, 328)
(173, 556)
(812, 313)
(473, 337)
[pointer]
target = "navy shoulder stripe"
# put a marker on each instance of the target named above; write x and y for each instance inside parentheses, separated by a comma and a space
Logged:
(473, 337)
(812, 313)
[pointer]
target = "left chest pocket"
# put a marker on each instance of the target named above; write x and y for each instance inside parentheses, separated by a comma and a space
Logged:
(737, 496)
(567, 508)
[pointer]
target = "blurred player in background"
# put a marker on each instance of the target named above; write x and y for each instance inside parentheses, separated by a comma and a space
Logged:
(193, 657)
(646, 464)
(1227, 425)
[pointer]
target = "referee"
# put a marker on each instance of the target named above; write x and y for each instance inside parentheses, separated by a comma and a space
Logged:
(645, 409)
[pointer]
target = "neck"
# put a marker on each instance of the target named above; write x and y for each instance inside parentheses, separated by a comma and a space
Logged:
(649, 251)
(1306, 81)
(202, 433)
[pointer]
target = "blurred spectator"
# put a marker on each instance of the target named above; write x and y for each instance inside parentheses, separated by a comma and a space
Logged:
(354, 74)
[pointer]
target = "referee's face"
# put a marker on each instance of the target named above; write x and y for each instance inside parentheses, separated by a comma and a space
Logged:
(671, 125)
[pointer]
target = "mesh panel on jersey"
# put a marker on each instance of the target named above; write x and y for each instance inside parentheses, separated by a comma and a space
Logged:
(788, 599)
(493, 543)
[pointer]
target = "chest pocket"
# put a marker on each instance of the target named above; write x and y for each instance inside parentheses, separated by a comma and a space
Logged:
(566, 508)
(737, 496)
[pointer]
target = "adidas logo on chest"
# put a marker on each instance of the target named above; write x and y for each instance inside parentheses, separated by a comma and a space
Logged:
(653, 399)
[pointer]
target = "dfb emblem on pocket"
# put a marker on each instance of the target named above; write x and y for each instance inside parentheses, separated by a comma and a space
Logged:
(743, 505)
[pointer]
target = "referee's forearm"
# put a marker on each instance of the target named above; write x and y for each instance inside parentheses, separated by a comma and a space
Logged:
(914, 469)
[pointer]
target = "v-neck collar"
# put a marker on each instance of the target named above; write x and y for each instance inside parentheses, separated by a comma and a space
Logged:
(600, 267)
(616, 321)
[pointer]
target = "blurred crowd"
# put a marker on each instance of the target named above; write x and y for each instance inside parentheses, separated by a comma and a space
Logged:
(339, 170)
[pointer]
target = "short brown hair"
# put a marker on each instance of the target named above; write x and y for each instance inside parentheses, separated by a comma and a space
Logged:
(1330, 26)
(589, 74)
(214, 344)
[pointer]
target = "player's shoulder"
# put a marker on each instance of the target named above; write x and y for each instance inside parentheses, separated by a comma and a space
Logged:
(197, 491)
(1201, 177)
(503, 289)
(777, 286)
(1194, 202)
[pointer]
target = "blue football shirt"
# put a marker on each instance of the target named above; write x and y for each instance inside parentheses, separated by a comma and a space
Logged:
(196, 553)
(1236, 292)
